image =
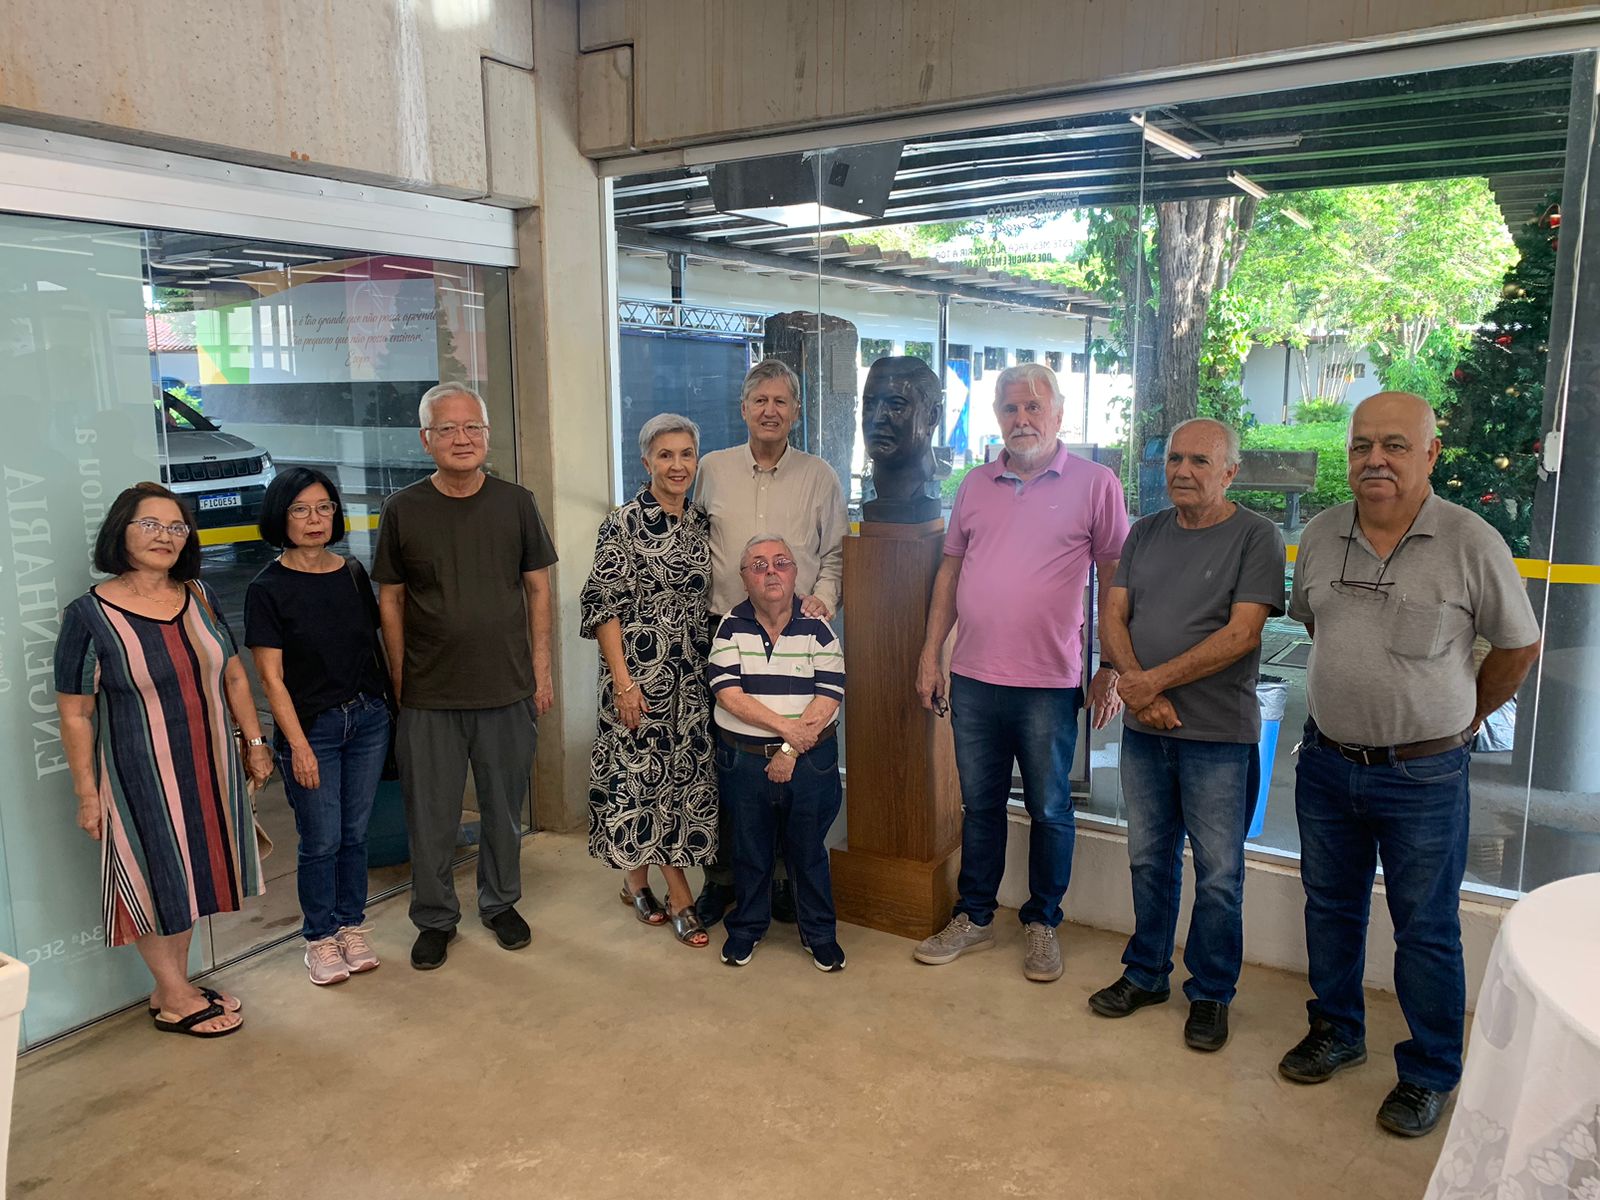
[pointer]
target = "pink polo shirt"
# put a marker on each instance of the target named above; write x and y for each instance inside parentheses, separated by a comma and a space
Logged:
(1025, 551)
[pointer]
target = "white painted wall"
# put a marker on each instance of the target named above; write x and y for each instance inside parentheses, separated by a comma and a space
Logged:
(1263, 381)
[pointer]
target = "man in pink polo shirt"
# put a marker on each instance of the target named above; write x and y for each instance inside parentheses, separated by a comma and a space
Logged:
(1022, 535)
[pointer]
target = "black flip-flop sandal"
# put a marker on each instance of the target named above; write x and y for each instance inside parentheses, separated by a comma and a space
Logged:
(212, 995)
(186, 1025)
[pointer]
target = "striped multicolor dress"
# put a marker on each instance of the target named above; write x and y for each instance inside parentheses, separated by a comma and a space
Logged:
(179, 840)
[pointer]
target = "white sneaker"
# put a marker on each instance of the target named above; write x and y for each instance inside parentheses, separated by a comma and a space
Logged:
(357, 952)
(954, 940)
(325, 962)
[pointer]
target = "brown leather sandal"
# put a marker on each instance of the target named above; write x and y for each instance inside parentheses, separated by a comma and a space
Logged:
(646, 907)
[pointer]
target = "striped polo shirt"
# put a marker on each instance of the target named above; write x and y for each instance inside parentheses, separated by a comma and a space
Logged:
(805, 661)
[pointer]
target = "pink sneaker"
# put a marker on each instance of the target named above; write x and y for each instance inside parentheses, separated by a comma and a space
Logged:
(357, 951)
(325, 962)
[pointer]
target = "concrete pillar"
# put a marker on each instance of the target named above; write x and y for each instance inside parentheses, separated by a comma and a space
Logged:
(560, 310)
(1563, 745)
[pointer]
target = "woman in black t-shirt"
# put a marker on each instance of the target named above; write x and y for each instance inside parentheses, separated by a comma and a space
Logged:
(311, 621)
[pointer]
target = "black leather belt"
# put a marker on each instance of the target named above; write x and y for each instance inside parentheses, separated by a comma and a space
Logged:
(1381, 756)
(766, 749)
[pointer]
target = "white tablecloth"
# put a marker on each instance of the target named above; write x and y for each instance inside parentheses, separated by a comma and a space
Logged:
(1526, 1124)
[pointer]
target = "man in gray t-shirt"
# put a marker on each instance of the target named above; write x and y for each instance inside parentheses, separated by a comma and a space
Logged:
(1182, 625)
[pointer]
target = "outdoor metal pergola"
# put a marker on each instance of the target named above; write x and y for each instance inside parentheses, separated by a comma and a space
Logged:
(1506, 122)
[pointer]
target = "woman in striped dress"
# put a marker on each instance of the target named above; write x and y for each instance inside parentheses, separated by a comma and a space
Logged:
(146, 679)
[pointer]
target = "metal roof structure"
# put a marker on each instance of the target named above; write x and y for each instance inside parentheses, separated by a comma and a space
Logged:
(1506, 122)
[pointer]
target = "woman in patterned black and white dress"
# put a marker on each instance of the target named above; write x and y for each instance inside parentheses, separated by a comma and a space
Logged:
(652, 785)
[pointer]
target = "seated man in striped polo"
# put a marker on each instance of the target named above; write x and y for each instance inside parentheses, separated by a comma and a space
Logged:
(778, 678)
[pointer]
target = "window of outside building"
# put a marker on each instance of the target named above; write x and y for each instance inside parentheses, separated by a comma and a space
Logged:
(872, 349)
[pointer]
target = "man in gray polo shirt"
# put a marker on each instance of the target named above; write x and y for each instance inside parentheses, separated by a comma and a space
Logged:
(1182, 625)
(1393, 589)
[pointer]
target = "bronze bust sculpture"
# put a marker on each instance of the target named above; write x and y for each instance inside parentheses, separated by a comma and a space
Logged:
(901, 405)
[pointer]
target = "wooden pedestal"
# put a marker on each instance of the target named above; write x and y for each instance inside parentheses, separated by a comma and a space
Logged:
(898, 871)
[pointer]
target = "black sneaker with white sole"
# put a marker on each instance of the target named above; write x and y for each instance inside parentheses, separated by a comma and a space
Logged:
(827, 957)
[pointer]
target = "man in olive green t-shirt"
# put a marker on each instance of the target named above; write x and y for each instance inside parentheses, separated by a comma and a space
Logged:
(463, 572)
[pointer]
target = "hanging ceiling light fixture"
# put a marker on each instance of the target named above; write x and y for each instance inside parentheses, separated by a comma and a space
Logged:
(1248, 186)
(1160, 137)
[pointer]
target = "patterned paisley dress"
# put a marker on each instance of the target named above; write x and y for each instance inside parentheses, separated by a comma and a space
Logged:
(653, 791)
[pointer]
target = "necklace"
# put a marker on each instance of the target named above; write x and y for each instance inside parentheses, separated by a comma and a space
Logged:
(164, 596)
(163, 601)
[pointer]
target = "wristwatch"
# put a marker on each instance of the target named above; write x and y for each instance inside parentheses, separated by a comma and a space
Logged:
(789, 750)
(255, 741)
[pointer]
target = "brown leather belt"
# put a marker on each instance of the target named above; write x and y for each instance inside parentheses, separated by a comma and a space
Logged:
(1382, 756)
(766, 749)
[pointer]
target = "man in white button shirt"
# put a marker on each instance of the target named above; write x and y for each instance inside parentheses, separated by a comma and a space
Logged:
(769, 486)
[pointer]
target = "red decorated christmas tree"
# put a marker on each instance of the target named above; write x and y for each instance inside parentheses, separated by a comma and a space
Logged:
(1492, 430)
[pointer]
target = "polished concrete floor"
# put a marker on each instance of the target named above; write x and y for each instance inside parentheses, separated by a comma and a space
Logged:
(608, 1061)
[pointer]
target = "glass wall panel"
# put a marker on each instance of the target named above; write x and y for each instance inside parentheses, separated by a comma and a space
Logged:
(209, 363)
(317, 358)
(1530, 474)
(80, 426)
(1268, 260)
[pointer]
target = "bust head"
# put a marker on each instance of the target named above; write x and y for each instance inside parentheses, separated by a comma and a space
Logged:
(900, 408)
(901, 405)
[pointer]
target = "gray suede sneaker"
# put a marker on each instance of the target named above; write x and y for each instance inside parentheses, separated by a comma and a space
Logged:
(954, 940)
(1042, 963)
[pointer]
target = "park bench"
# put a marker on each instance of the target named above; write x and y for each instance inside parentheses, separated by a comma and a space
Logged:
(1291, 472)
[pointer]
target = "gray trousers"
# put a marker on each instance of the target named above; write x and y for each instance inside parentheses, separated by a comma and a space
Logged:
(433, 748)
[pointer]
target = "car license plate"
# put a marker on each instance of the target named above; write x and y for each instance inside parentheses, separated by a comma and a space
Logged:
(218, 500)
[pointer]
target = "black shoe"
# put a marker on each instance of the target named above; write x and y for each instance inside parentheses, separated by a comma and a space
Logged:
(1411, 1111)
(827, 957)
(510, 930)
(783, 901)
(1207, 1026)
(1320, 1056)
(1123, 999)
(429, 951)
(714, 902)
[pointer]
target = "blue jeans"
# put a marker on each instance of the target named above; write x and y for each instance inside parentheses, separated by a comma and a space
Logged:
(1172, 786)
(797, 815)
(1037, 728)
(1412, 815)
(350, 742)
